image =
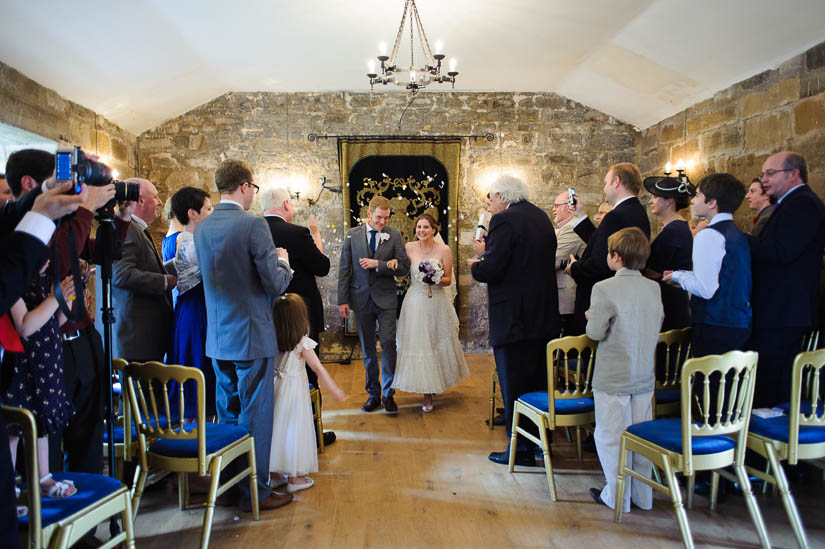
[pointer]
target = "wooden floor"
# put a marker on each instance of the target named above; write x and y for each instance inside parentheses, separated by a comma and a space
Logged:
(423, 480)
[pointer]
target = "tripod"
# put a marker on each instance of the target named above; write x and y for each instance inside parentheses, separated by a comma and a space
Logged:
(108, 250)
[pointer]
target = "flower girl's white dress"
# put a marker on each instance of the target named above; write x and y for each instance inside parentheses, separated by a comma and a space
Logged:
(430, 358)
(293, 433)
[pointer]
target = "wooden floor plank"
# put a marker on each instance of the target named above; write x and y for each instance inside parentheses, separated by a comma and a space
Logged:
(423, 480)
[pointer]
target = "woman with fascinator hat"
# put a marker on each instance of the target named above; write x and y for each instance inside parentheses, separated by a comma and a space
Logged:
(672, 248)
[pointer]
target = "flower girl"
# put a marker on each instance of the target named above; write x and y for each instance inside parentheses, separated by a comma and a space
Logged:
(294, 454)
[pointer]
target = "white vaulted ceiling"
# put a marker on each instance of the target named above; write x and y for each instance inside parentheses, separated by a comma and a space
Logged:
(140, 63)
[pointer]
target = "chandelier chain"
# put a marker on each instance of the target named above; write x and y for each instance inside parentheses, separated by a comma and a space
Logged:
(425, 42)
(397, 43)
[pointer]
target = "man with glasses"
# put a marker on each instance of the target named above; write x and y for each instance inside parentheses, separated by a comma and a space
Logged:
(786, 260)
(568, 243)
(241, 271)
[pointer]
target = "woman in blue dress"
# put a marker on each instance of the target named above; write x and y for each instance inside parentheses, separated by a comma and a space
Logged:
(672, 249)
(191, 205)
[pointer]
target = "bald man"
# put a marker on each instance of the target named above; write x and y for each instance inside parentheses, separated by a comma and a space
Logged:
(785, 263)
(141, 287)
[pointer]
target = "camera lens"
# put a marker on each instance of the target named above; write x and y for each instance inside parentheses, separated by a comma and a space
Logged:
(126, 191)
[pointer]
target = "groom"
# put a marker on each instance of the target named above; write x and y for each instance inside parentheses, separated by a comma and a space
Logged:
(372, 254)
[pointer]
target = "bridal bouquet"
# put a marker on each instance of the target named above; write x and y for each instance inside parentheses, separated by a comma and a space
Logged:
(430, 272)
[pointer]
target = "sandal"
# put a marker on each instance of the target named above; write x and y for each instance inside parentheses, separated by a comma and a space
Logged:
(60, 489)
(295, 487)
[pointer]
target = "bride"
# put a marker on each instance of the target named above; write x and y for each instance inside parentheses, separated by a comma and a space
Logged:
(430, 358)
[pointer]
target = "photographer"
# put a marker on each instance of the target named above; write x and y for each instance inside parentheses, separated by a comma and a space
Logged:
(22, 253)
(83, 359)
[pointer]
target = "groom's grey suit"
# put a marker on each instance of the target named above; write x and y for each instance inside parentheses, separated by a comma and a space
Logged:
(241, 271)
(372, 295)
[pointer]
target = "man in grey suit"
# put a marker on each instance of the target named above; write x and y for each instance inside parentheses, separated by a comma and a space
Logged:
(372, 254)
(567, 243)
(241, 271)
(141, 288)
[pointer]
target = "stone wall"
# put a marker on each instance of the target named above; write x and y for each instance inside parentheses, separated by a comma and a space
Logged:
(739, 127)
(548, 140)
(32, 107)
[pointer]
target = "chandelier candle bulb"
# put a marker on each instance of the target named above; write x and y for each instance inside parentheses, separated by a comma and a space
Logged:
(439, 46)
(371, 66)
(668, 168)
(452, 64)
(382, 48)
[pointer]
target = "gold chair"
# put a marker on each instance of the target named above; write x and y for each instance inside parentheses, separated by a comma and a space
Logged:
(716, 440)
(198, 447)
(315, 398)
(493, 397)
(60, 522)
(568, 401)
(124, 450)
(798, 435)
(672, 350)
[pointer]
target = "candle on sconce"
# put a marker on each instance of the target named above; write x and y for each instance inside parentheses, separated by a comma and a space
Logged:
(382, 48)
(371, 65)
(680, 165)
(668, 168)
(412, 76)
(452, 64)
(439, 47)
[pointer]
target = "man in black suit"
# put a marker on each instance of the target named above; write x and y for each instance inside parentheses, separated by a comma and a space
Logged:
(785, 262)
(307, 260)
(517, 263)
(621, 187)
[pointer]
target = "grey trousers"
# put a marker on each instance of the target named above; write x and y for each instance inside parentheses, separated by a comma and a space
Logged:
(246, 398)
(386, 320)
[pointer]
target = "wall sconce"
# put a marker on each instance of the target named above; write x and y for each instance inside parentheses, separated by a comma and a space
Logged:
(681, 169)
(324, 187)
(297, 185)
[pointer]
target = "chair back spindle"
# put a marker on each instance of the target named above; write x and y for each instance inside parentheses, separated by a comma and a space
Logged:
(570, 377)
(807, 388)
(724, 410)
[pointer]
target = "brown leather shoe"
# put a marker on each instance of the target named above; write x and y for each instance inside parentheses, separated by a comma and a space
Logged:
(274, 501)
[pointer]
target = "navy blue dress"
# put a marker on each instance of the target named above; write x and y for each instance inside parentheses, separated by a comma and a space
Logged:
(36, 381)
(672, 251)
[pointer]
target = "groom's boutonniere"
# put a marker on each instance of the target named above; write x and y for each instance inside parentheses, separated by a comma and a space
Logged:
(382, 237)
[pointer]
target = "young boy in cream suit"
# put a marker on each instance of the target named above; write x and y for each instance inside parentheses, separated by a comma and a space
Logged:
(625, 317)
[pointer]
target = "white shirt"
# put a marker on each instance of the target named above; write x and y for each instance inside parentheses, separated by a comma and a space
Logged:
(708, 253)
(227, 201)
(37, 225)
(789, 191)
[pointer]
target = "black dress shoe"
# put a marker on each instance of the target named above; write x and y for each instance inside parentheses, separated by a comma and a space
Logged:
(498, 419)
(596, 494)
(390, 406)
(524, 459)
(329, 438)
(371, 404)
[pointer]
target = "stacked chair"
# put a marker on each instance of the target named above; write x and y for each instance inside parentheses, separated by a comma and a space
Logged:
(800, 434)
(60, 522)
(200, 447)
(710, 443)
(568, 401)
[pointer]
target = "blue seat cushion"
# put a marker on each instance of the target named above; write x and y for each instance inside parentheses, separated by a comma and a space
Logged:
(667, 433)
(118, 430)
(218, 435)
(564, 406)
(665, 396)
(90, 488)
(804, 407)
(777, 428)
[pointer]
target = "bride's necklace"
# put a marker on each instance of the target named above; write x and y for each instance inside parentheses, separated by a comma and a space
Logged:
(421, 248)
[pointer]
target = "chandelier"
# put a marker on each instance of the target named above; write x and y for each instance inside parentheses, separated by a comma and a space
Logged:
(412, 77)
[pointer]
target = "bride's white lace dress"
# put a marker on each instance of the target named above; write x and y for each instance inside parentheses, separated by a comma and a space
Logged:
(430, 358)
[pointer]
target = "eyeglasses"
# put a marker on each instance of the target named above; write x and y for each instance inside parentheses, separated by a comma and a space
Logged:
(257, 188)
(771, 173)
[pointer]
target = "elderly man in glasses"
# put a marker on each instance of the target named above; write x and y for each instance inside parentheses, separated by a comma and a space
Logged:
(568, 243)
(786, 259)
